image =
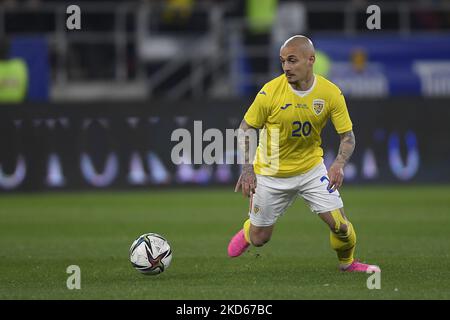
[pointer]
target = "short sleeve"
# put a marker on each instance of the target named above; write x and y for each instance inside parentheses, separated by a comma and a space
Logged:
(339, 114)
(259, 110)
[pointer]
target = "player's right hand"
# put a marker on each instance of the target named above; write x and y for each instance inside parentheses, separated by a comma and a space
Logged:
(246, 182)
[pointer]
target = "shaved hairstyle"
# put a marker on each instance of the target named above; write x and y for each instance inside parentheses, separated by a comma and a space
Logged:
(304, 42)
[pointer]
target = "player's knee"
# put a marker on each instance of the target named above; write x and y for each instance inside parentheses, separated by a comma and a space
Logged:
(342, 229)
(338, 222)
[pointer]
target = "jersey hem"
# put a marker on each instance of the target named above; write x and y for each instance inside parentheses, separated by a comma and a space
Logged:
(291, 173)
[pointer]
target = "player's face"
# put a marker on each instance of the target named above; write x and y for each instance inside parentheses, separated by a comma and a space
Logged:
(295, 63)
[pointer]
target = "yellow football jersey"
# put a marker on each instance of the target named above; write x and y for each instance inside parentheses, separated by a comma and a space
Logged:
(291, 123)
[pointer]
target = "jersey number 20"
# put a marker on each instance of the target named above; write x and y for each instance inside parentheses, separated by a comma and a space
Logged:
(301, 128)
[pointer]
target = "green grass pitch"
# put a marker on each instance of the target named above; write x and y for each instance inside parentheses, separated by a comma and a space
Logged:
(406, 230)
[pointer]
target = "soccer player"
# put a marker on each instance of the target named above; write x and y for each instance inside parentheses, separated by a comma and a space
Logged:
(292, 110)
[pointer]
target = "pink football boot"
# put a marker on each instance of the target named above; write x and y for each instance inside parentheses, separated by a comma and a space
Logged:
(357, 266)
(237, 245)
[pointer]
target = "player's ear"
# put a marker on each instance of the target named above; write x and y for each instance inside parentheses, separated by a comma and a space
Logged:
(312, 59)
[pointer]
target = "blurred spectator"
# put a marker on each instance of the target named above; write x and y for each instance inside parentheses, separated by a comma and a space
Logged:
(323, 64)
(34, 50)
(261, 15)
(291, 19)
(358, 60)
(176, 10)
(177, 16)
(360, 77)
(13, 77)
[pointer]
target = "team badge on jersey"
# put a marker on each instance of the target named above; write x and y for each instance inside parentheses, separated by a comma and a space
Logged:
(255, 209)
(318, 106)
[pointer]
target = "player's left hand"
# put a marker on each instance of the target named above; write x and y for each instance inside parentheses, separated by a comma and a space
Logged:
(336, 176)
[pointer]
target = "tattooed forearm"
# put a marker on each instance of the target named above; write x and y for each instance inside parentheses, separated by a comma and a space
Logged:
(247, 137)
(346, 147)
(247, 179)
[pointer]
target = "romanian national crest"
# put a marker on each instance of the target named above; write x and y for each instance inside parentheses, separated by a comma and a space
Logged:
(318, 106)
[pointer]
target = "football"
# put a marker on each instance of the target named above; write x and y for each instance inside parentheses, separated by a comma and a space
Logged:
(150, 254)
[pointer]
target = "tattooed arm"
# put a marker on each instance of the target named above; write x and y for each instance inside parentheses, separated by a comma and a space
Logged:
(247, 179)
(336, 171)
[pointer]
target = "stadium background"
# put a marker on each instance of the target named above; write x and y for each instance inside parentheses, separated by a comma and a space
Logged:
(101, 103)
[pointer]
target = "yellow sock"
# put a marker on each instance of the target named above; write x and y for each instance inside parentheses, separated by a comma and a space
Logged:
(343, 243)
(247, 230)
